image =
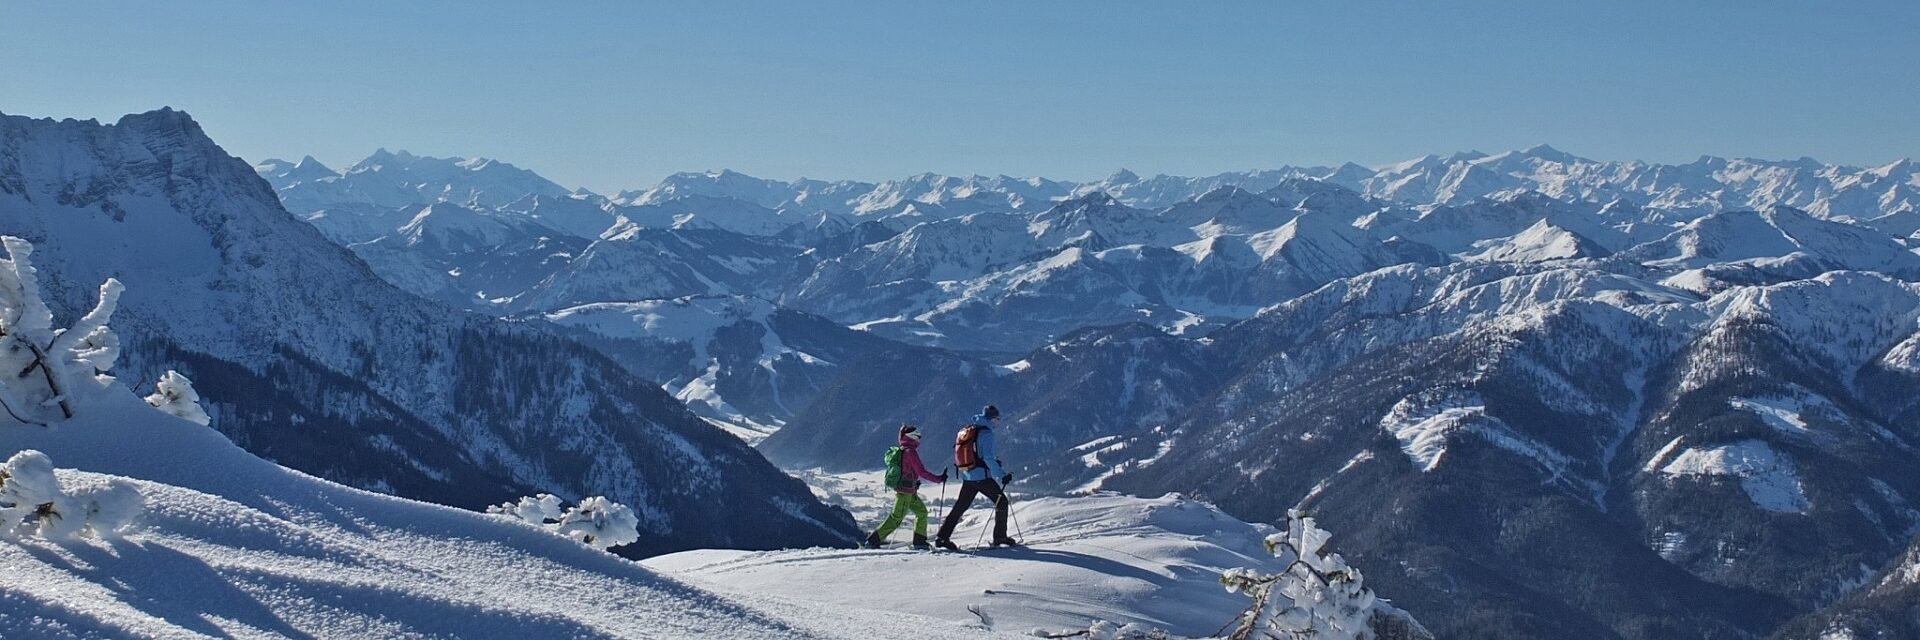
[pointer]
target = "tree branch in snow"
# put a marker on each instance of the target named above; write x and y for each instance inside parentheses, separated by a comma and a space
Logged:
(70, 362)
(1104, 630)
(174, 394)
(1317, 595)
(596, 522)
(32, 503)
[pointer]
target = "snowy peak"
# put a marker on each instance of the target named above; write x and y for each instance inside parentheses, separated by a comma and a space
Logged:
(1348, 175)
(1548, 153)
(705, 212)
(1541, 242)
(282, 172)
(1779, 233)
(1229, 211)
(582, 216)
(1315, 248)
(400, 180)
(448, 229)
(741, 362)
(1094, 220)
(310, 169)
(724, 183)
(1231, 250)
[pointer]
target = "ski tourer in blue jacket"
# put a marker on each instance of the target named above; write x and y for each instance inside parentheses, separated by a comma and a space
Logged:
(981, 475)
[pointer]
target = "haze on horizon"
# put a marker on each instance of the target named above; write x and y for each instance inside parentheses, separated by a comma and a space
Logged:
(614, 96)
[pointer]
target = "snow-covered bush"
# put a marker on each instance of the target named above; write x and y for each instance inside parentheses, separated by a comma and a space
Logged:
(32, 503)
(1318, 595)
(174, 394)
(600, 523)
(596, 521)
(54, 366)
(540, 509)
(1104, 630)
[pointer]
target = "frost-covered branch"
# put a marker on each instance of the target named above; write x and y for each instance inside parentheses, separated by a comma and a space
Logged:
(32, 503)
(596, 522)
(48, 369)
(1104, 630)
(174, 394)
(1317, 595)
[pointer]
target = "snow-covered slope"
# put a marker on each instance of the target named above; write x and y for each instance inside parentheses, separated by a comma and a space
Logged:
(1780, 232)
(703, 212)
(1539, 243)
(233, 546)
(1155, 562)
(633, 262)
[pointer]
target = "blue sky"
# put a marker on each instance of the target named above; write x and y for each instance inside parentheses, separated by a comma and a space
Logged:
(616, 95)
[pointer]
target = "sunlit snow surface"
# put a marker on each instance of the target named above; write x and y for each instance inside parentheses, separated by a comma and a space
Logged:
(234, 546)
(1119, 558)
(1767, 476)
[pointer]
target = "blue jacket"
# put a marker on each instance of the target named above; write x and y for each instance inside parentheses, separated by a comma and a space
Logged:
(983, 445)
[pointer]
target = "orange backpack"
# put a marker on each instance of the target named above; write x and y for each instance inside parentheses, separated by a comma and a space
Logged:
(964, 455)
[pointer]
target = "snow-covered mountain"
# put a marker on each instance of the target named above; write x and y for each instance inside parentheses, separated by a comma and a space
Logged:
(641, 263)
(314, 362)
(1704, 186)
(1543, 395)
(966, 279)
(1707, 185)
(742, 362)
(402, 179)
(1661, 432)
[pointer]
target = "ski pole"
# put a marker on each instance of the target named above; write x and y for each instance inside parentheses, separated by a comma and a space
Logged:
(1016, 521)
(941, 507)
(982, 538)
(1011, 515)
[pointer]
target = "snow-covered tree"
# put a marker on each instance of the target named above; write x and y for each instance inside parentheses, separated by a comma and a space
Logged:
(540, 509)
(1104, 630)
(596, 521)
(32, 502)
(54, 366)
(1318, 595)
(600, 523)
(174, 394)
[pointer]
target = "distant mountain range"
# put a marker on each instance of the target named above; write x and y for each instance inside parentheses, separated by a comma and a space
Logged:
(1538, 395)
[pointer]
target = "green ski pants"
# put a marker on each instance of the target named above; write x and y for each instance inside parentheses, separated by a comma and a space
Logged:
(902, 502)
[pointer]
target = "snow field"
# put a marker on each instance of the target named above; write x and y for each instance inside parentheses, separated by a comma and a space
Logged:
(234, 546)
(1155, 562)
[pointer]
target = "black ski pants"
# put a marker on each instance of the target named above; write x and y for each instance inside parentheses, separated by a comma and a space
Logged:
(991, 491)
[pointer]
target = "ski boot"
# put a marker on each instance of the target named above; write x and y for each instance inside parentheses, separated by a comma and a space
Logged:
(1005, 541)
(945, 544)
(920, 544)
(873, 541)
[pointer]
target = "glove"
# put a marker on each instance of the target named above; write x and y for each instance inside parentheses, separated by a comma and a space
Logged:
(1006, 480)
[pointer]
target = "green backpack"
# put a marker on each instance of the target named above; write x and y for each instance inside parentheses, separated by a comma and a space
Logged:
(893, 467)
